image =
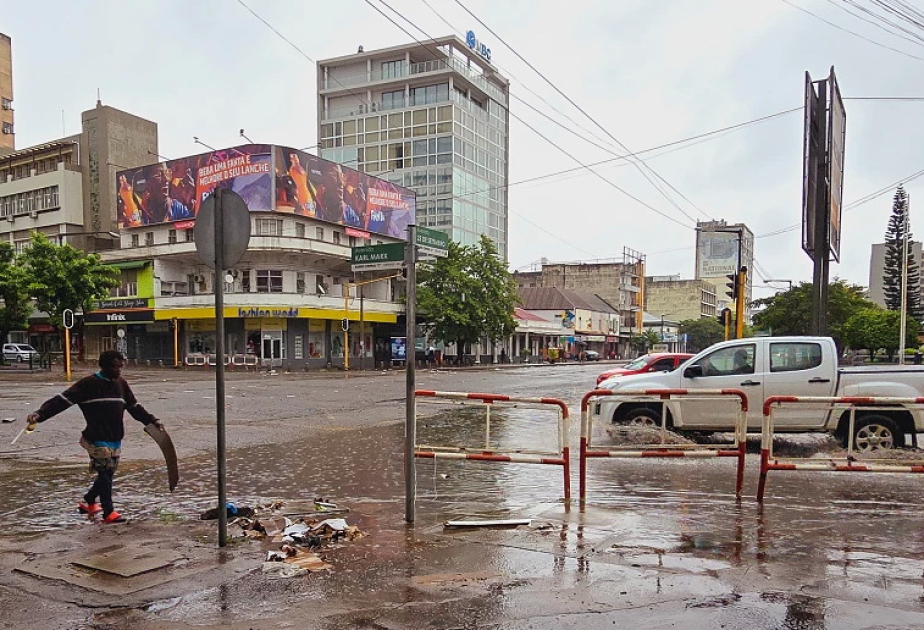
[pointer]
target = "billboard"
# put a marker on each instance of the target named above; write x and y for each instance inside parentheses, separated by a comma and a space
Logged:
(173, 190)
(716, 253)
(304, 184)
(837, 127)
(314, 187)
(812, 157)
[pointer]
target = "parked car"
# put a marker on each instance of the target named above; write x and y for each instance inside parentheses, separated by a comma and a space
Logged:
(655, 362)
(777, 366)
(19, 352)
(591, 355)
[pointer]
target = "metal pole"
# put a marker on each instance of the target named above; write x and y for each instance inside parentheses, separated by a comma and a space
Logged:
(822, 219)
(904, 312)
(362, 331)
(67, 353)
(410, 427)
(176, 343)
(346, 326)
(220, 366)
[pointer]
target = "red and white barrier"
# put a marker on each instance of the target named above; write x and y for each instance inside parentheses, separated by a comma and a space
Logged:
(559, 457)
(735, 449)
(849, 463)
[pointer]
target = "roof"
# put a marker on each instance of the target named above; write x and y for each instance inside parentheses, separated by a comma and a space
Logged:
(526, 316)
(555, 299)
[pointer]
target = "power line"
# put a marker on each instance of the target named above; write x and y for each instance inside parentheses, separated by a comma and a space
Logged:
(576, 106)
(846, 30)
(530, 127)
(878, 21)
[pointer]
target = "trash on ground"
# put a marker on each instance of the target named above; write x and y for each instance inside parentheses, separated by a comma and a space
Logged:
(628, 434)
(510, 522)
(233, 510)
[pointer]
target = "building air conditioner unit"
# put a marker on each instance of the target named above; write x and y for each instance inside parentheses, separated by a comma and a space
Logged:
(198, 278)
(33, 213)
(235, 273)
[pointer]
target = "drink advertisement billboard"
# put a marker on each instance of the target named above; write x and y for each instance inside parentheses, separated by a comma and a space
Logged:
(310, 186)
(172, 191)
(304, 184)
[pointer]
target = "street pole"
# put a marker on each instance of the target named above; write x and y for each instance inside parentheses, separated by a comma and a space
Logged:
(410, 429)
(904, 312)
(176, 343)
(220, 366)
(820, 252)
(739, 305)
(362, 331)
(346, 327)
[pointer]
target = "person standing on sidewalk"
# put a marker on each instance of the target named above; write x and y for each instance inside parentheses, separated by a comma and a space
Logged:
(103, 398)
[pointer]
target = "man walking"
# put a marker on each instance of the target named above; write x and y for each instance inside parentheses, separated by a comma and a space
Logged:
(103, 398)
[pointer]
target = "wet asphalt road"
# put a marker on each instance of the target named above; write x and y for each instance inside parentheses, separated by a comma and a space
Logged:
(661, 543)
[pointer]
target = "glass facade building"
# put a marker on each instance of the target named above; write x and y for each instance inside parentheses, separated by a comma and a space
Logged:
(432, 118)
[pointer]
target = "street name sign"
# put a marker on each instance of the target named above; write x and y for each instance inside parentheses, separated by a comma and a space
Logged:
(373, 257)
(432, 242)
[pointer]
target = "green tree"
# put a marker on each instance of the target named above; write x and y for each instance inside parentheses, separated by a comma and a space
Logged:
(790, 312)
(15, 305)
(892, 272)
(63, 277)
(468, 295)
(646, 340)
(874, 329)
(702, 333)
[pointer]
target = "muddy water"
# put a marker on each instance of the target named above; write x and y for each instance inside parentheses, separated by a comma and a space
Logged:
(822, 547)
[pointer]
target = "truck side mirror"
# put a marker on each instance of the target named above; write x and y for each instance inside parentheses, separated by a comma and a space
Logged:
(693, 371)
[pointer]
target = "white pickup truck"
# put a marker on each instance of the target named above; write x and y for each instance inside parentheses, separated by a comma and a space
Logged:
(775, 366)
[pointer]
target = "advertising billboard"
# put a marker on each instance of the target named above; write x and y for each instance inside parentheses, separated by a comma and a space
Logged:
(837, 128)
(313, 187)
(304, 184)
(173, 190)
(717, 253)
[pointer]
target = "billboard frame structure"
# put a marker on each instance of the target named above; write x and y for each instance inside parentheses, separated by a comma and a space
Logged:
(825, 125)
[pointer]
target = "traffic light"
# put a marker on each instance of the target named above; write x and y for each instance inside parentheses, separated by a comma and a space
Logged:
(344, 324)
(732, 285)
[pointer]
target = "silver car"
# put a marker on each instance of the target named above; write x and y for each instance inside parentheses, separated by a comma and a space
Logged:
(20, 352)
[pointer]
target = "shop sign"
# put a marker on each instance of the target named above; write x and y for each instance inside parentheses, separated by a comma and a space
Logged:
(119, 317)
(120, 304)
(255, 311)
(266, 323)
(41, 328)
(200, 325)
(594, 338)
(477, 46)
(357, 233)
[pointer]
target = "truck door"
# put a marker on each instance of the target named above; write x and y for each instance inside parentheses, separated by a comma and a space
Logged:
(796, 368)
(729, 367)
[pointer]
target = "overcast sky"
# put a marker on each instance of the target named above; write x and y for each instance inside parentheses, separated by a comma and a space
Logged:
(650, 73)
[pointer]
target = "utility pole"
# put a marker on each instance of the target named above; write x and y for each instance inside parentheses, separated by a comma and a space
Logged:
(410, 417)
(904, 312)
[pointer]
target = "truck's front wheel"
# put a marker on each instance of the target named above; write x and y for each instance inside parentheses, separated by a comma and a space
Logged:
(641, 416)
(877, 433)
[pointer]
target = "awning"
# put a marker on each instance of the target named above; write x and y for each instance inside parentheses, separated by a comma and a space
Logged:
(129, 264)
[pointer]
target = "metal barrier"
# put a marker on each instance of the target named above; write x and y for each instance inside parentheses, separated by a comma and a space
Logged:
(560, 457)
(195, 358)
(735, 449)
(848, 463)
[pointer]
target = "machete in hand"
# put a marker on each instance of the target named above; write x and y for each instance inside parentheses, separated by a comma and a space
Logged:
(166, 446)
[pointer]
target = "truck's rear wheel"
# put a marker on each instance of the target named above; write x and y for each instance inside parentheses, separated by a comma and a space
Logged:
(877, 433)
(641, 417)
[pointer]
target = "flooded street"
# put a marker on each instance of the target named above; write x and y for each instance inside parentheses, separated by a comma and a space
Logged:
(660, 542)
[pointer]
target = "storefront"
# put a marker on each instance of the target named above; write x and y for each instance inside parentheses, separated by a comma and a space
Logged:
(127, 325)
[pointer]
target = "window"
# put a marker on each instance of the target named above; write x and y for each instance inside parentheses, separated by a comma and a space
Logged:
(392, 69)
(790, 357)
(190, 235)
(149, 238)
(393, 100)
(269, 227)
(300, 230)
(7, 128)
(136, 240)
(300, 282)
(352, 241)
(336, 238)
(319, 233)
(269, 280)
(245, 280)
(171, 236)
(729, 361)
(662, 365)
(191, 281)
(319, 284)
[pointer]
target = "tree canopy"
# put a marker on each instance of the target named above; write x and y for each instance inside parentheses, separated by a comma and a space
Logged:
(468, 295)
(790, 312)
(15, 305)
(62, 277)
(875, 328)
(702, 333)
(892, 273)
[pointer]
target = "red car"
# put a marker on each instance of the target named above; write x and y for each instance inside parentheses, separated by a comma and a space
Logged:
(656, 362)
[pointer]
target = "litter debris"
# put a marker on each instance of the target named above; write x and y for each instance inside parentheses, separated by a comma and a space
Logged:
(211, 514)
(511, 522)
(9, 419)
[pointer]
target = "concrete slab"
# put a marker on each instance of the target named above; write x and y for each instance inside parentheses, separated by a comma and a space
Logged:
(128, 562)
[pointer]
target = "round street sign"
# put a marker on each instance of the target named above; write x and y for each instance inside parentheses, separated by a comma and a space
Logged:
(236, 237)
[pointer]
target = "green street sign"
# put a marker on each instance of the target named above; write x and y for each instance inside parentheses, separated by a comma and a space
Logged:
(387, 256)
(432, 242)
